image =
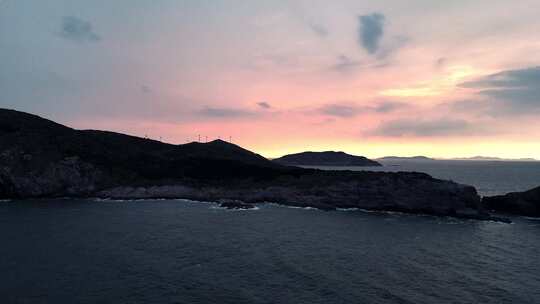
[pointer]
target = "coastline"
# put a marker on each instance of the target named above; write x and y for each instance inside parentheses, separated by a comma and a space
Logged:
(496, 217)
(43, 159)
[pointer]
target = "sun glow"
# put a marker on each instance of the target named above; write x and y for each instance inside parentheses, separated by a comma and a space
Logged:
(436, 87)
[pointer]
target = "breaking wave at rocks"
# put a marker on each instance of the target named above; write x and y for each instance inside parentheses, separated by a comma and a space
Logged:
(255, 208)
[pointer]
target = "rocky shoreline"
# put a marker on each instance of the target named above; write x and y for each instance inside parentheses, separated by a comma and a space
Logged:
(231, 204)
(40, 159)
(247, 198)
(526, 203)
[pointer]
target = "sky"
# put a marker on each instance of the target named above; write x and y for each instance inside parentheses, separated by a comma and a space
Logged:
(375, 78)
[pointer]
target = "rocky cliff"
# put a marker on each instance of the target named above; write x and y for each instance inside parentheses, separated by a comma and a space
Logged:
(40, 158)
(406, 192)
(519, 203)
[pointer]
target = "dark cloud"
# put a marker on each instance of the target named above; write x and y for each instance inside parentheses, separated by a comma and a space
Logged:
(390, 106)
(338, 110)
(371, 31)
(318, 29)
(470, 107)
(264, 105)
(507, 79)
(215, 112)
(511, 91)
(78, 30)
(351, 110)
(425, 128)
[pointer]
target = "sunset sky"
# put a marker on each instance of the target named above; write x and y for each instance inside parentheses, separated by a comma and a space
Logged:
(437, 78)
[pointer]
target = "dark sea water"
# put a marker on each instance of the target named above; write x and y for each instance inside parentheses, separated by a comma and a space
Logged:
(489, 177)
(77, 251)
(176, 251)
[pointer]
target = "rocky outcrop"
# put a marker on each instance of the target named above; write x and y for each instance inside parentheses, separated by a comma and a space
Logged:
(405, 192)
(329, 158)
(21, 177)
(7, 189)
(519, 203)
(40, 158)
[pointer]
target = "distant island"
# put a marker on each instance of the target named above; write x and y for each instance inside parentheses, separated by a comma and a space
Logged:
(491, 158)
(328, 158)
(401, 158)
(43, 159)
(474, 158)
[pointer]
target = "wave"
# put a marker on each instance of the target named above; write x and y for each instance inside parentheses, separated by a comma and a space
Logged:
(348, 209)
(400, 214)
(530, 218)
(290, 207)
(119, 200)
(303, 208)
(189, 201)
(235, 209)
(5, 200)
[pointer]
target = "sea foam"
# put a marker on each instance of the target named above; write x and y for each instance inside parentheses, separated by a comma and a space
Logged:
(291, 207)
(348, 209)
(235, 209)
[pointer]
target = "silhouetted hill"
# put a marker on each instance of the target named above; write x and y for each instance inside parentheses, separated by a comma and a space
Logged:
(328, 158)
(31, 144)
(491, 158)
(404, 158)
(40, 158)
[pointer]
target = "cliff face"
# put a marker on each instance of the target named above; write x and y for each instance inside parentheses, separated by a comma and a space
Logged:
(329, 158)
(32, 162)
(19, 177)
(39, 158)
(520, 203)
(406, 192)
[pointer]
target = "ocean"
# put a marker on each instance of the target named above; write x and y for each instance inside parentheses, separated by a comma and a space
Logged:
(178, 251)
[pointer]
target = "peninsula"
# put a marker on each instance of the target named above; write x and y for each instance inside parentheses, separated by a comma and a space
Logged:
(40, 158)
